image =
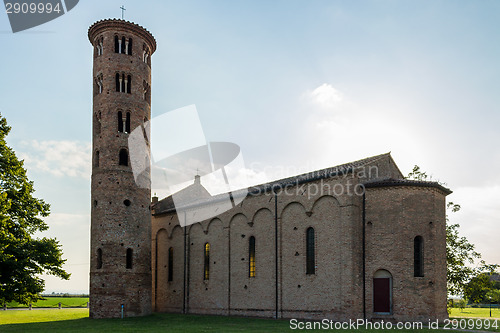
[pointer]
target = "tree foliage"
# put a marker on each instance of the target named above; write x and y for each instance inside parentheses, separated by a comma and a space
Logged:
(460, 256)
(493, 296)
(22, 256)
(481, 288)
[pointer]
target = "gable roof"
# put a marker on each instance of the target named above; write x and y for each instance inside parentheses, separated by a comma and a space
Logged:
(167, 205)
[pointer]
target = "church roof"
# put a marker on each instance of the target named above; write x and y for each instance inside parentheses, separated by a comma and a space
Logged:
(406, 182)
(167, 205)
(318, 174)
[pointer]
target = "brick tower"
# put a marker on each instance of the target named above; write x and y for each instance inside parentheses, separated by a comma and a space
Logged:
(120, 249)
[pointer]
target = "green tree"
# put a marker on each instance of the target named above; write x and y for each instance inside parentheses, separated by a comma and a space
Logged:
(461, 304)
(460, 253)
(460, 256)
(22, 257)
(493, 296)
(478, 287)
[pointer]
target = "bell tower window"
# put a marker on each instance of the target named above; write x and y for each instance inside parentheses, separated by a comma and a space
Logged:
(96, 159)
(99, 47)
(146, 92)
(123, 83)
(99, 259)
(123, 157)
(129, 258)
(98, 85)
(127, 123)
(120, 121)
(123, 45)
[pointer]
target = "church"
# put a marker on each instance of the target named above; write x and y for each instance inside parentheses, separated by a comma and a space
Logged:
(354, 241)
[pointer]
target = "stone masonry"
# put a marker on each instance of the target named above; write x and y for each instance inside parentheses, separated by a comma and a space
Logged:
(120, 269)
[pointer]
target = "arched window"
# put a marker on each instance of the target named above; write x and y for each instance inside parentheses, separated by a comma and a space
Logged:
(129, 84)
(123, 157)
(310, 259)
(99, 259)
(120, 121)
(129, 258)
(117, 48)
(170, 264)
(418, 256)
(206, 262)
(251, 256)
(127, 123)
(123, 45)
(96, 159)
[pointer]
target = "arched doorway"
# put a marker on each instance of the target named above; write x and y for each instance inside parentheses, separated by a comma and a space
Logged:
(382, 292)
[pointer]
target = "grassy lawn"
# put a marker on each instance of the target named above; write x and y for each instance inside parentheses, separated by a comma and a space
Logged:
(476, 312)
(76, 320)
(466, 317)
(53, 302)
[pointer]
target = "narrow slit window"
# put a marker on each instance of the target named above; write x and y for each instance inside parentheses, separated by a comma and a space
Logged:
(418, 256)
(99, 259)
(129, 258)
(122, 45)
(310, 256)
(123, 157)
(206, 263)
(96, 159)
(251, 257)
(97, 123)
(116, 44)
(120, 121)
(129, 84)
(171, 264)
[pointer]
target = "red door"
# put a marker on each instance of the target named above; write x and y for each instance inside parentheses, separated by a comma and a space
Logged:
(382, 295)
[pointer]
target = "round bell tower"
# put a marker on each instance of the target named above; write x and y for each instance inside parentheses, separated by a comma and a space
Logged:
(120, 245)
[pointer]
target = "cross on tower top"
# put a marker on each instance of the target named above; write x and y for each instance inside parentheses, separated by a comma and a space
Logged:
(123, 9)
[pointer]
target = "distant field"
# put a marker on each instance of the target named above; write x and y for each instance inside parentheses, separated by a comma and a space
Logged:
(53, 302)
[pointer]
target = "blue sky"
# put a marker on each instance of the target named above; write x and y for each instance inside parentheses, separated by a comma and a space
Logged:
(299, 85)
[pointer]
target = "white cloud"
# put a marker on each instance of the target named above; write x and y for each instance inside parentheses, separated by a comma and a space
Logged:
(59, 158)
(325, 96)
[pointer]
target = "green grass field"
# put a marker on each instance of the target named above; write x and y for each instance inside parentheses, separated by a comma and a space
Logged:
(76, 320)
(476, 312)
(53, 302)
